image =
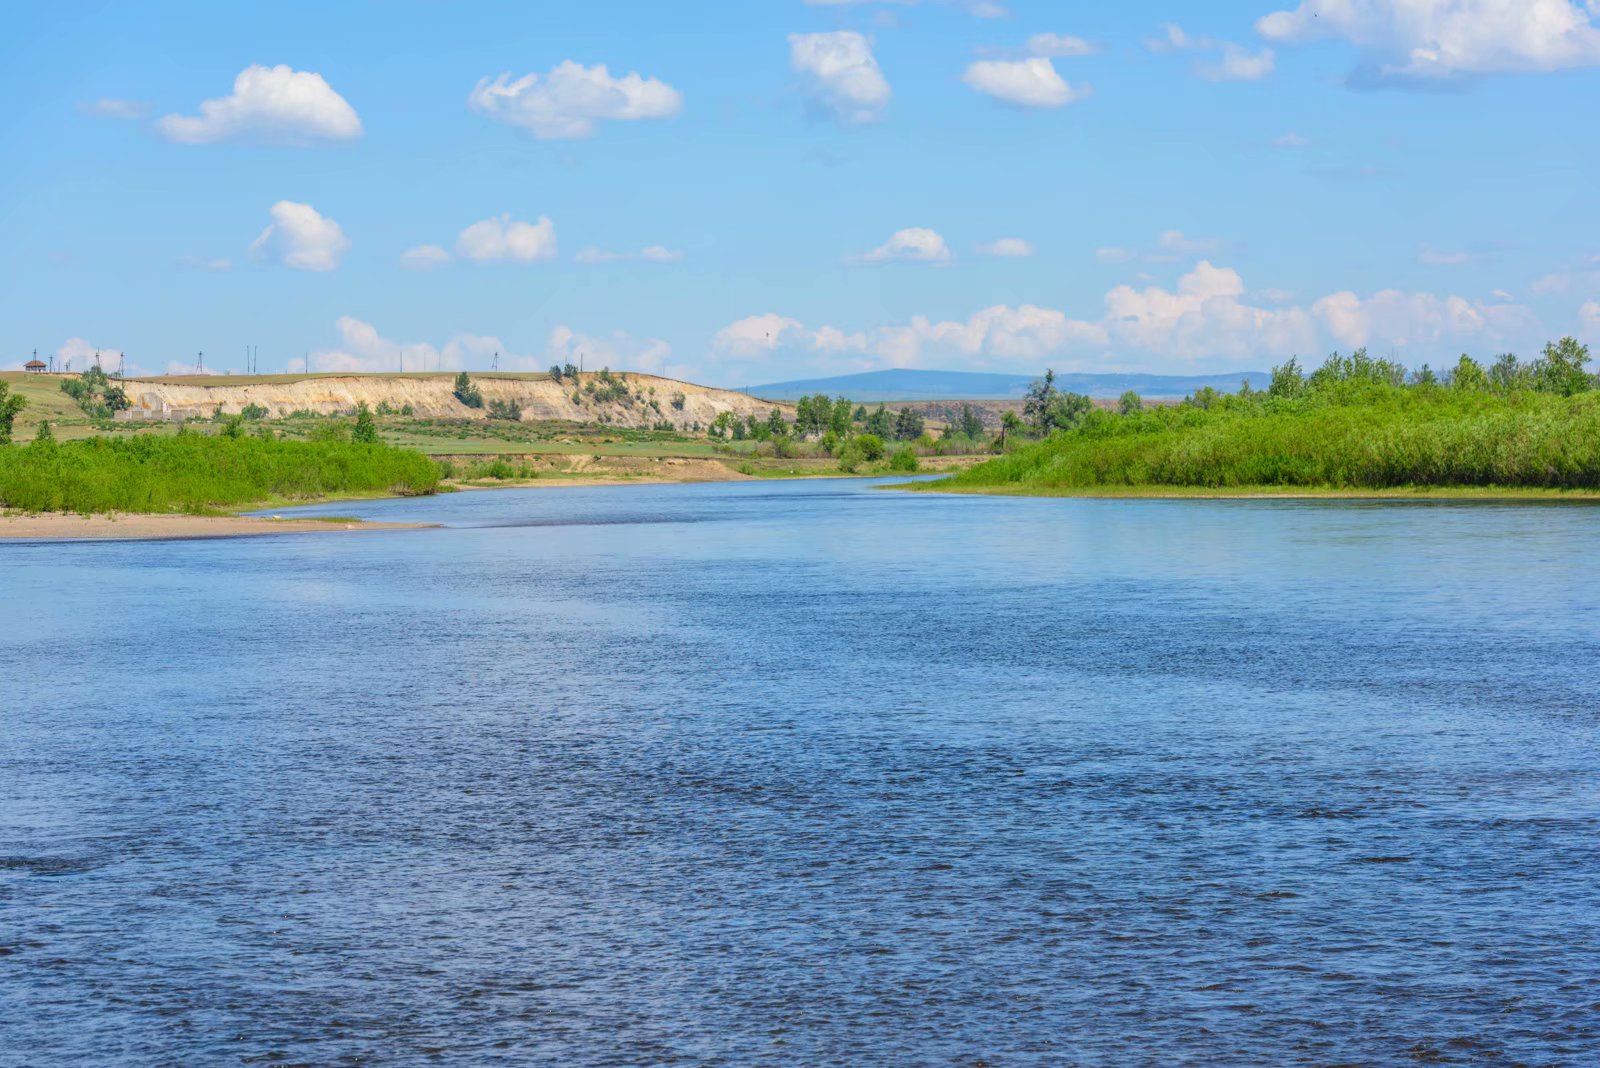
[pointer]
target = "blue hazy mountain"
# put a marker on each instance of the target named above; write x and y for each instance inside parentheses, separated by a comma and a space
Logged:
(914, 385)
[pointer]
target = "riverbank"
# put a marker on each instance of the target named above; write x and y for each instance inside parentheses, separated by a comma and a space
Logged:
(124, 526)
(1258, 493)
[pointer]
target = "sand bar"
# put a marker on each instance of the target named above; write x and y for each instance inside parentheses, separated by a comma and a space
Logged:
(132, 527)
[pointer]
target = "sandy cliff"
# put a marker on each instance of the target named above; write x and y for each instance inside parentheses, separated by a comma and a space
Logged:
(635, 400)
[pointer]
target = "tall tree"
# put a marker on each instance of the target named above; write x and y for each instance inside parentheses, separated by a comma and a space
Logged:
(10, 405)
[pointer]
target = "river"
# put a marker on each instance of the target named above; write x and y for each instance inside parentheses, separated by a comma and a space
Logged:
(808, 773)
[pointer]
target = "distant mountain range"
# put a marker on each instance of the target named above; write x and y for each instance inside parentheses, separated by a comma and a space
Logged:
(912, 385)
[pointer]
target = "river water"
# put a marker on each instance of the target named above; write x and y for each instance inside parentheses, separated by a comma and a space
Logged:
(808, 774)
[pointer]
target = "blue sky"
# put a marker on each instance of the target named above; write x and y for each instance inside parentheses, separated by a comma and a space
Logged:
(787, 188)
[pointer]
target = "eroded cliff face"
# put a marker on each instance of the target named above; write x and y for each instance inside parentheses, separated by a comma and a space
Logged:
(630, 400)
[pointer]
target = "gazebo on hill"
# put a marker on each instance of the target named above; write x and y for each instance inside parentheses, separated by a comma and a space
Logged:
(35, 366)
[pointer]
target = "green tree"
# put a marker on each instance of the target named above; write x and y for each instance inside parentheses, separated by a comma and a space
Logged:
(115, 398)
(839, 421)
(1560, 369)
(1010, 426)
(908, 424)
(1287, 380)
(365, 431)
(904, 459)
(777, 426)
(1036, 405)
(1469, 374)
(1424, 377)
(44, 435)
(10, 405)
(971, 422)
(1130, 402)
(871, 446)
(860, 415)
(881, 422)
(555, 373)
(466, 392)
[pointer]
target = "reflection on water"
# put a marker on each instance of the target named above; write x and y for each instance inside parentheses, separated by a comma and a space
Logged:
(808, 774)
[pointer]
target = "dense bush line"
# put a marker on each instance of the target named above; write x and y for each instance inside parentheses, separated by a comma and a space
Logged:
(1354, 423)
(196, 473)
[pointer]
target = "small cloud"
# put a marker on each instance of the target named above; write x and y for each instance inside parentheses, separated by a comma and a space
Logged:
(913, 245)
(1291, 140)
(1233, 63)
(841, 76)
(1238, 65)
(107, 108)
(1113, 254)
(1059, 45)
(1352, 173)
(648, 254)
(1023, 83)
(1174, 39)
(1177, 243)
(504, 239)
(424, 258)
(1500, 294)
(1435, 258)
(201, 263)
(301, 238)
(271, 105)
(571, 99)
(1006, 248)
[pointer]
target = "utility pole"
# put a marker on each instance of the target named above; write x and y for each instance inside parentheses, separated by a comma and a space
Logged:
(494, 365)
(200, 363)
(122, 365)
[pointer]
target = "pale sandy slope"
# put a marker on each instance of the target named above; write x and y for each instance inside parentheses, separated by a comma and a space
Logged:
(649, 402)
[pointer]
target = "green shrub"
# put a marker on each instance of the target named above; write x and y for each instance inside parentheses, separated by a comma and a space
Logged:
(505, 409)
(871, 446)
(197, 473)
(904, 459)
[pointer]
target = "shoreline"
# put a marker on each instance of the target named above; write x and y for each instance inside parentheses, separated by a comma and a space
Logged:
(164, 526)
(1454, 494)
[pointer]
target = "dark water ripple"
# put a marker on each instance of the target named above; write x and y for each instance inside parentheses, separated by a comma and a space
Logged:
(802, 775)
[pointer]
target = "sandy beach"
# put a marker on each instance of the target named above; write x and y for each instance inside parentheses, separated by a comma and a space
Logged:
(126, 527)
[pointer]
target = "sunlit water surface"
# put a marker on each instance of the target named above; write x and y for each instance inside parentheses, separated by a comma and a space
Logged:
(810, 773)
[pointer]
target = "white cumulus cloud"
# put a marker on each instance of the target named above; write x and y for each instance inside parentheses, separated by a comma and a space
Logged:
(1393, 318)
(503, 239)
(274, 105)
(1205, 316)
(1023, 83)
(912, 245)
(1447, 39)
(571, 99)
(302, 238)
(841, 76)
